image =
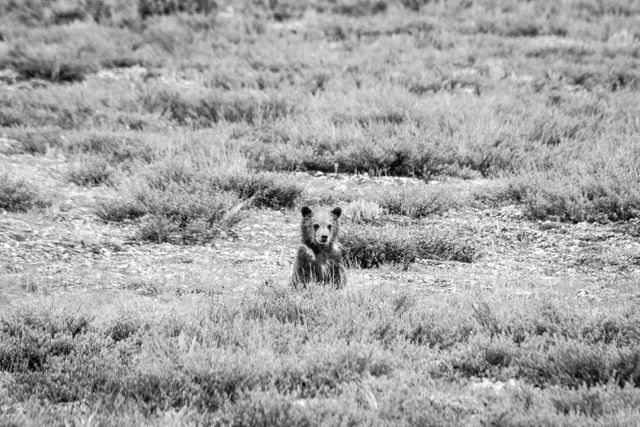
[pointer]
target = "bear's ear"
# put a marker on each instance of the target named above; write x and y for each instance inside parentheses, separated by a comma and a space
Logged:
(306, 211)
(337, 212)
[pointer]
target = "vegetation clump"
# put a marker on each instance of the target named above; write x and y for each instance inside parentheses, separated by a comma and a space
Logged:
(176, 204)
(145, 363)
(90, 172)
(17, 195)
(369, 247)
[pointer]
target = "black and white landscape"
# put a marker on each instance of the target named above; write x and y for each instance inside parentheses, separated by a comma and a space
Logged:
(155, 156)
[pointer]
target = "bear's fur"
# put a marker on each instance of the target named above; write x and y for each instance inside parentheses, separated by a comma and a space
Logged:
(319, 258)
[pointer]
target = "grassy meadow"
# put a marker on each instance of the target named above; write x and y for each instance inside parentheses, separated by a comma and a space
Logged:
(154, 156)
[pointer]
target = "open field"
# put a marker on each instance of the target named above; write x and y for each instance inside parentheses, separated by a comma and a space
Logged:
(154, 157)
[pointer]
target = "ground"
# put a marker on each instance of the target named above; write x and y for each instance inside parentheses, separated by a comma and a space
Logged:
(69, 249)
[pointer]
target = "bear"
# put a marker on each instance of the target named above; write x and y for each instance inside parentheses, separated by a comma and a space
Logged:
(319, 258)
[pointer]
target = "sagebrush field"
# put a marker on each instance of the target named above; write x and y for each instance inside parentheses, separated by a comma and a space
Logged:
(154, 156)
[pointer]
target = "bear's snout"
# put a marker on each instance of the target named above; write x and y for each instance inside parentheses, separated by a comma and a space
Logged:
(324, 238)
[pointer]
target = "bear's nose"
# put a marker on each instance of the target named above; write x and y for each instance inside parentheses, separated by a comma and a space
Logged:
(324, 238)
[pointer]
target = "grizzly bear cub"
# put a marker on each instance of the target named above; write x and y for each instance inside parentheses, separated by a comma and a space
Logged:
(319, 258)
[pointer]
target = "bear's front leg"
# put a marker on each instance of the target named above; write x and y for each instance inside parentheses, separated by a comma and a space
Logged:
(339, 277)
(304, 267)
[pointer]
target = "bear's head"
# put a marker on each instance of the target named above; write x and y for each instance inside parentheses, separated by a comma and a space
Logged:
(320, 226)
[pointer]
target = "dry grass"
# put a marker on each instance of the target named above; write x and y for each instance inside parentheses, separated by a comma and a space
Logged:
(90, 171)
(18, 195)
(300, 371)
(190, 203)
(367, 246)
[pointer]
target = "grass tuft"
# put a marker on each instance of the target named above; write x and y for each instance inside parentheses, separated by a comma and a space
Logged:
(178, 204)
(16, 195)
(90, 172)
(38, 141)
(369, 247)
(68, 53)
(282, 305)
(206, 108)
(114, 147)
(263, 189)
(311, 356)
(363, 211)
(120, 209)
(186, 214)
(417, 201)
(600, 193)
(46, 63)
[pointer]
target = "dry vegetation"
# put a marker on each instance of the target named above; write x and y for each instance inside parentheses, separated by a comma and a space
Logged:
(153, 155)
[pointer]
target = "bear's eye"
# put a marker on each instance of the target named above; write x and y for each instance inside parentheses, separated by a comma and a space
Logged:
(329, 227)
(316, 226)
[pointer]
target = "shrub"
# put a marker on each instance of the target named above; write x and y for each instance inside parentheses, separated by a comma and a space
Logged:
(37, 141)
(205, 108)
(123, 328)
(148, 8)
(32, 337)
(106, 12)
(90, 172)
(47, 63)
(362, 211)
(262, 189)
(56, 107)
(369, 247)
(69, 53)
(10, 117)
(31, 12)
(190, 204)
(595, 193)
(113, 146)
(378, 148)
(368, 356)
(175, 204)
(416, 201)
(360, 7)
(168, 34)
(178, 214)
(120, 209)
(16, 195)
(282, 305)
(414, 5)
